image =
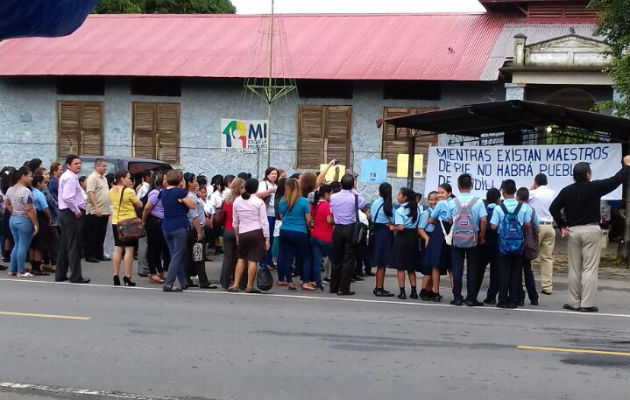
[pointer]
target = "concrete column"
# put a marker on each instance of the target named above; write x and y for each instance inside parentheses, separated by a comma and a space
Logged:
(514, 91)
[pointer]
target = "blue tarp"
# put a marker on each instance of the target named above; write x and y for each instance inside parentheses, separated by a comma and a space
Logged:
(50, 18)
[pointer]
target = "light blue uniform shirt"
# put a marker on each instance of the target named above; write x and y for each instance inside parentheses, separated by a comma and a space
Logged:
(424, 220)
(39, 200)
(401, 217)
(478, 210)
(524, 214)
(441, 210)
(381, 218)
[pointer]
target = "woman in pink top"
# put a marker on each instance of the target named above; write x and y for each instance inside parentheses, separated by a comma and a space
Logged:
(321, 234)
(252, 234)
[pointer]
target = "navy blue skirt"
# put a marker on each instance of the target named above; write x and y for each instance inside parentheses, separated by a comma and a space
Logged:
(381, 246)
(405, 254)
(438, 253)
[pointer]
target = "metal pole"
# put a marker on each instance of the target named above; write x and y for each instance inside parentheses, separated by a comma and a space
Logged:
(626, 234)
(411, 151)
(270, 86)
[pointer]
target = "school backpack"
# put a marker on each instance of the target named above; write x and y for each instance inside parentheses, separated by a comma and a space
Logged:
(464, 230)
(511, 232)
(530, 245)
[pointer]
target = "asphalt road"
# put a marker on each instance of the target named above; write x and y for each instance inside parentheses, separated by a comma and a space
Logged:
(142, 343)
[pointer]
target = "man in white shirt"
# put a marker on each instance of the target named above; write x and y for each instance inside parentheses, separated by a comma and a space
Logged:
(540, 198)
(143, 189)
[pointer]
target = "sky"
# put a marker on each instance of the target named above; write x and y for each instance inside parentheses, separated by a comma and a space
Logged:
(355, 6)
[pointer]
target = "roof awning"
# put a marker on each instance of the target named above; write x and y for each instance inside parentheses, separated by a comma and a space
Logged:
(509, 116)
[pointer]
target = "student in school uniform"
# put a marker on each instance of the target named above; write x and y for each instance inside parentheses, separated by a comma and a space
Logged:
(464, 210)
(438, 253)
(405, 247)
(488, 251)
(382, 217)
(522, 195)
(425, 229)
(510, 254)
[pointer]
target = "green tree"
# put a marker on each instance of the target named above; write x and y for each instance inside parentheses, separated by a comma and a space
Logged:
(614, 24)
(165, 7)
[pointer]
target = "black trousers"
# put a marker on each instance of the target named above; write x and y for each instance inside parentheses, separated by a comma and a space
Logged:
(510, 270)
(530, 283)
(192, 267)
(69, 257)
(158, 256)
(472, 260)
(343, 259)
(488, 255)
(95, 229)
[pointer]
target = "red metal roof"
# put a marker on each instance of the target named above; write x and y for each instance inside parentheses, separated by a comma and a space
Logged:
(361, 47)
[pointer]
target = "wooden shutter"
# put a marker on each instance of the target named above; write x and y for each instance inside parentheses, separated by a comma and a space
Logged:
(92, 129)
(167, 133)
(323, 134)
(310, 136)
(80, 128)
(156, 131)
(392, 147)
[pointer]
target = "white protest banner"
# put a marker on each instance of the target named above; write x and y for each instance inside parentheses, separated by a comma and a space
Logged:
(490, 165)
(244, 134)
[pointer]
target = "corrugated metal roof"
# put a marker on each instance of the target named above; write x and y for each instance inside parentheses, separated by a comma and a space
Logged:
(361, 47)
(504, 46)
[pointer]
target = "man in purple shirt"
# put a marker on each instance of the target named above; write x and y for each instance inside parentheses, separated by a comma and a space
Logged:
(343, 206)
(71, 215)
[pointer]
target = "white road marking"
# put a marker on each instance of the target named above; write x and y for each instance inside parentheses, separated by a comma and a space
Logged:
(47, 389)
(325, 298)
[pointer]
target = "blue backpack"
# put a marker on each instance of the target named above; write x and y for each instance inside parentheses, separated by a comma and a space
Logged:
(511, 232)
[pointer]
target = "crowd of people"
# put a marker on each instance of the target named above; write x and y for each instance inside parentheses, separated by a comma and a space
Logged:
(302, 226)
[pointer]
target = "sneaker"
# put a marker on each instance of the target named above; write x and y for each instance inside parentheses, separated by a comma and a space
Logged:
(25, 275)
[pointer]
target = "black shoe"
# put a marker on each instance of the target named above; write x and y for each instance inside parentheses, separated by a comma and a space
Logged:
(490, 302)
(386, 293)
(521, 303)
(402, 296)
(473, 303)
(128, 281)
(252, 291)
(502, 305)
(83, 280)
(92, 260)
(142, 274)
(357, 279)
(511, 306)
(326, 279)
(437, 297)
(548, 293)
(369, 273)
(116, 280)
(63, 279)
(414, 294)
(207, 287)
(39, 272)
(3, 267)
(105, 259)
(191, 284)
(570, 307)
(171, 289)
(457, 302)
(350, 293)
(589, 309)
(534, 302)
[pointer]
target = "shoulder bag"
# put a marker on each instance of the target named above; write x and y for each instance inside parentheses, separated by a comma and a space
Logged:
(129, 229)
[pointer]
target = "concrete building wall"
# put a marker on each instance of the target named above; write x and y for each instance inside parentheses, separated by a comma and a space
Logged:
(28, 121)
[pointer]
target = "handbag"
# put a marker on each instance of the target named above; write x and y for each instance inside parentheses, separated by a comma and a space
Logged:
(358, 229)
(264, 279)
(448, 237)
(197, 252)
(219, 217)
(129, 229)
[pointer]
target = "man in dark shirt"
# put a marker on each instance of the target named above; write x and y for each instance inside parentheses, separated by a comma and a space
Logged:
(580, 223)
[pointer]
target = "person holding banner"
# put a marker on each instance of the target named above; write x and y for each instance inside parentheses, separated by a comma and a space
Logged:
(438, 253)
(468, 216)
(580, 202)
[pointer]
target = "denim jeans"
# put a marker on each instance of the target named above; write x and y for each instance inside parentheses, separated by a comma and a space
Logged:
(294, 245)
(176, 242)
(320, 249)
(22, 231)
